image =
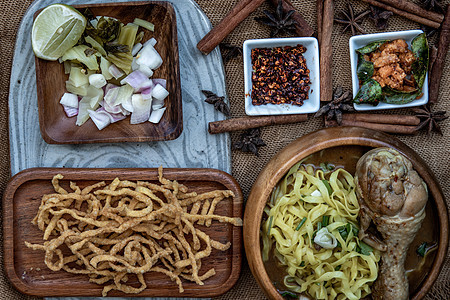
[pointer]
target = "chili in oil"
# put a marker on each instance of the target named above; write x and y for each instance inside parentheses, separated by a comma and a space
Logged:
(280, 75)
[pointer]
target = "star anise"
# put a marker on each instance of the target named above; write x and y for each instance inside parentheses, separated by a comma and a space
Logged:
(250, 141)
(435, 5)
(353, 21)
(429, 119)
(230, 51)
(341, 102)
(380, 17)
(219, 103)
(279, 22)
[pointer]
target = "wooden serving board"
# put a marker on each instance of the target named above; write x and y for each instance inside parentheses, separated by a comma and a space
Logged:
(26, 270)
(57, 128)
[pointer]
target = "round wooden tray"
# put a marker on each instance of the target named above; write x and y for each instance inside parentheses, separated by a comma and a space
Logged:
(330, 138)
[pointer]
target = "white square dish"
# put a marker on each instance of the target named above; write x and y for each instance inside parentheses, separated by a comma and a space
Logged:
(359, 41)
(310, 105)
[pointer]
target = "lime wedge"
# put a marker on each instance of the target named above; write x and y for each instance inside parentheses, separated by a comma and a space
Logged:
(56, 29)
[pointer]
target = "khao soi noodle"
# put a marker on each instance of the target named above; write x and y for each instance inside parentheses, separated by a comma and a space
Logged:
(301, 206)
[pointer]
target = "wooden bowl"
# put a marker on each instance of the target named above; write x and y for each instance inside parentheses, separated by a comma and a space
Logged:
(28, 273)
(57, 128)
(354, 141)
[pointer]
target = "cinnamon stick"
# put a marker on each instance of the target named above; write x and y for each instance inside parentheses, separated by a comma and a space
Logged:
(319, 12)
(438, 66)
(389, 128)
(382, 119)
(413, 17)
(413, 8)
(241, 11)
(302, 28)
(253, 122)
(326, 52)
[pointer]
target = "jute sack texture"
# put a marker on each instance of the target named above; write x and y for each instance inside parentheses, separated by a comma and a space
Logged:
(434, 149)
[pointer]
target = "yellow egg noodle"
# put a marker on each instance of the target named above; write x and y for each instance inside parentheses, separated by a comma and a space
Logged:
(301, 201)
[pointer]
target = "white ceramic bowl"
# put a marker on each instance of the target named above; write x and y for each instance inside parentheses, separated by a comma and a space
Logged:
(311, 55)
(359, 41)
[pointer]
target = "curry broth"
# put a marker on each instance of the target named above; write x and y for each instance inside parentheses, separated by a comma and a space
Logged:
(346, 157)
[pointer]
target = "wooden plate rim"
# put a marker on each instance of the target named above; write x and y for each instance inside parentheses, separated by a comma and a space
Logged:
(314, 142)
(189, 174)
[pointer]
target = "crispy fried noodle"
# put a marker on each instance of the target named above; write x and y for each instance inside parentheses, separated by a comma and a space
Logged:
(304, 202)
(111, 232)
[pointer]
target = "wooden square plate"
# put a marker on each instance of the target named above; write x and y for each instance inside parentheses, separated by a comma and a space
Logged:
(28, 273)
(57, 128)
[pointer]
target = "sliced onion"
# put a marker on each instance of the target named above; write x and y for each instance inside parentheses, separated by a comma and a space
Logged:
(135, 79)
(115, 72)
(146, 70)
(110, 86)
(147, 93)
(70, 111)
(145, 86)
(159, 92)
(83, 114)
(136, 49)
(124, 111)
(114, 109)
(156, 115)
(96, 95)
(134, 65)
(125, 92)
(160, 81)
(111, 96)
(151, 41)
(100, 118)
(69, 100)
(127, 105)
(141, 109)
(157, 104)
(149, 57)
(97, 80)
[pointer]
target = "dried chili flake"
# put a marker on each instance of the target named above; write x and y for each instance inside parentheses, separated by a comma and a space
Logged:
(279, 75)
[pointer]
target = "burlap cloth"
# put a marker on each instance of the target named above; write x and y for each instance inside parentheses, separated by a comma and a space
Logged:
(434, 149)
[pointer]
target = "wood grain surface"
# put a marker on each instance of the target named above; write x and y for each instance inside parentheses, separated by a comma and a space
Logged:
(435, 226)
(57, 128)
(26, 270)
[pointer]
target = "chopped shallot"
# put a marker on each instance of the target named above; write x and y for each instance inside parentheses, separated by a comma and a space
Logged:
(97, 80)
(156, 115)
(136, 49)
(70, 111)
(159, 92)
(70, 100)
(100, 118)
(141, 109)
(115, 72)
(150, 57)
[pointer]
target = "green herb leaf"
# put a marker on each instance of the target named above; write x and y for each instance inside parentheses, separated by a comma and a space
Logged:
(328, 186)
(325, 220)
(370, 47)
(288, 295)
(302, 264)
(369, 93)
(326, 167)
(365, 69)
(422, 249)
(301, 224)
(337, 268)
(419, 47)
(270, 225)
(399, 97)
(364, 249)
(343, 232)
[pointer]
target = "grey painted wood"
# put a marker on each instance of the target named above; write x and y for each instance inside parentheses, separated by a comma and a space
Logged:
(194, 148)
